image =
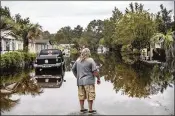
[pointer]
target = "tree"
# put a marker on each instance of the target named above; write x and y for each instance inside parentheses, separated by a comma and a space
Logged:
(64, 35)
(135, 28)
(164, 20)
(109, 28)
(6, 21)
(26, 30)
(5, 12)
(94, 32)
(77, 31)
(77, 34)
(46, 35)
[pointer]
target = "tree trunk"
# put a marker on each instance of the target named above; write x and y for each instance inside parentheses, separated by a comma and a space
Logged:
(151, 52)
(25, 42)
(25, 49)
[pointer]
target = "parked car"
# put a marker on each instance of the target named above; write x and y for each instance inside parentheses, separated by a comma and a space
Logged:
(50, 66)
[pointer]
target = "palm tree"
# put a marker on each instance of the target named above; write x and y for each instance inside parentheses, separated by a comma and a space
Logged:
(25, 30)
(19, 27)
(30, 32)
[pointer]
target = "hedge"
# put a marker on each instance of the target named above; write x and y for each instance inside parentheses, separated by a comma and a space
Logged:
(15, 60)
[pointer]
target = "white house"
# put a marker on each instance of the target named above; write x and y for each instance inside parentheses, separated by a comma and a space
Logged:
(146, 54)
(102, 49)
(9, 43)
(42, 44)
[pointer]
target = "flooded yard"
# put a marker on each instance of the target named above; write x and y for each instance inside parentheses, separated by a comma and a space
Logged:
(133, 88)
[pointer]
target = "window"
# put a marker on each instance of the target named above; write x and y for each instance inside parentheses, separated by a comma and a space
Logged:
(51, 51)
(19, 46)
(7, 45)
(42, 46)
(0, 46)
(13, 45)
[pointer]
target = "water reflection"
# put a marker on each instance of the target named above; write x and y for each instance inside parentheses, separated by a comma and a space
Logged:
(138, 79)
(133, 77)
(19, 84)
(53, 83)
(7, 103)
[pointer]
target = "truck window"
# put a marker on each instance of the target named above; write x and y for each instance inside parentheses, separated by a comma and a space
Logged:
(49, 51)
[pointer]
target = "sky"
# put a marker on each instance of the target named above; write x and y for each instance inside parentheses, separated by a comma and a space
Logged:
(53, 15)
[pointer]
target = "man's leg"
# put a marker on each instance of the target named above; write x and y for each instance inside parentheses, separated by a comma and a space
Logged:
(90, 103)
(82, 104)
(82, 97)
(90, 94)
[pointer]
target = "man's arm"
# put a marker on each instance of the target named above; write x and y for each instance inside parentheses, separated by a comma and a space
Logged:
(96, 74)
(74, 69)
(94, 70)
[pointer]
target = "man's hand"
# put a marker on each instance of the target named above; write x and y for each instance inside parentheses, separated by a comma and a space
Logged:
(98, 82)
(95, 73)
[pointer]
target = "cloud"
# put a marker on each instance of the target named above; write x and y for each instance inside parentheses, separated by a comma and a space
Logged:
(53, 15)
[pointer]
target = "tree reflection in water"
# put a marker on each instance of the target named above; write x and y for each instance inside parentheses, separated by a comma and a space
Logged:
(7, 103)
(24, 86)
(135, 78)
(27, 87)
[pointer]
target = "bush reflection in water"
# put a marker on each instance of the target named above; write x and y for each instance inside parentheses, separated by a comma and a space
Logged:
(21, 84)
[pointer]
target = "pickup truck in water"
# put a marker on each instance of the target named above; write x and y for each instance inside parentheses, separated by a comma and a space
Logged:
(49, 66)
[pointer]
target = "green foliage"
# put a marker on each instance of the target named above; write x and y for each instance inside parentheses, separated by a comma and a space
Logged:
(11, 60)
(73, 51)
(109, 29)
(168, 39)
(6, 61)
(83, 42)
(126, 48)
(163, 19)
(136, 29)
(64, 35)
(102, 41)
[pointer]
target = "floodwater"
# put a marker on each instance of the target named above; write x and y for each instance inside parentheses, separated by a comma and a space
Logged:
(128, 87)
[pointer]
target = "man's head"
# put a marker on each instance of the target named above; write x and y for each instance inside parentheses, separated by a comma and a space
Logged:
(85, 53)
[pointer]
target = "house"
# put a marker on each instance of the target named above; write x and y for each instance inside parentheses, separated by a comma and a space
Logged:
(41, 44)
(102, 49)
(65, 47)
(149, 53)
(9, 43)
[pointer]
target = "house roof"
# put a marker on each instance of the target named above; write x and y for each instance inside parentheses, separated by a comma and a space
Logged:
(4, 35)
(42, 41)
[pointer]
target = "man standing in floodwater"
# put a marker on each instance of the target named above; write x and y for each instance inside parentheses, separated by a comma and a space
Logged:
(85, 70)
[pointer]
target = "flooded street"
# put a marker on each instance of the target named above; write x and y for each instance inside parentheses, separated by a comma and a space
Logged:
(126, 89)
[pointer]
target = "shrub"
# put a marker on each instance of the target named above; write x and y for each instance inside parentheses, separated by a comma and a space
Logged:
(73, 51)
(3, 62)
(8, 60)
(14, 59)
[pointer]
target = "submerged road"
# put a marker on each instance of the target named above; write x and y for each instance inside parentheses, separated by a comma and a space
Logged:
(64, 101)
